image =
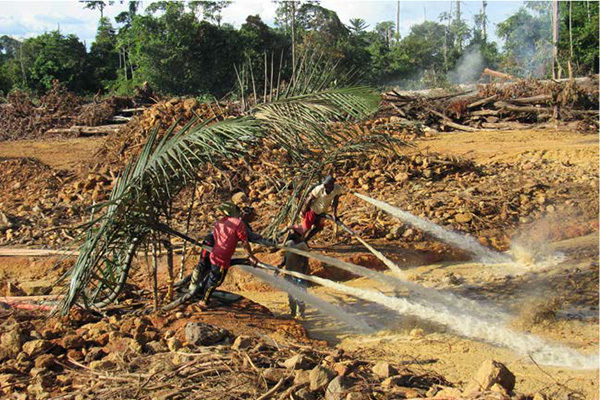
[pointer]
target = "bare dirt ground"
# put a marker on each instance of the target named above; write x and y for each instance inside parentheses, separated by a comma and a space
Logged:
(564, 146)
(573, 282)
(58, 153)
(436, 348)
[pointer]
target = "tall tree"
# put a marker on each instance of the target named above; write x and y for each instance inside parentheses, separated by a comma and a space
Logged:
(10, 71)
(286, 17)
(104, 55)
(581, 44)
(96, 5)
(322, 31)
(556, 70)
(125, 17)
(481, 20)
(211, 10)
(385, 30)
(176, 54)
(358, 26)
(423, 48)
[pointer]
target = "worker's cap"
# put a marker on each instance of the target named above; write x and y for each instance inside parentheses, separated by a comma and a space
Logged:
(229, 209)
(328, 180)
(239, 199)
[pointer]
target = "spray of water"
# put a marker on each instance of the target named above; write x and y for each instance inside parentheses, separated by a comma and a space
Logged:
(389, 263)
(326, 308)
(428, 296)
(482, 254)
(470, 326)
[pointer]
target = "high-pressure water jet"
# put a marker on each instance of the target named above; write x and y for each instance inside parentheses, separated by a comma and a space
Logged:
(469, 326)
(463, 242)
(323, 306)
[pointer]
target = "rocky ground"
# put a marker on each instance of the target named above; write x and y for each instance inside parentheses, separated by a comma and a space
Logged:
(534, 187)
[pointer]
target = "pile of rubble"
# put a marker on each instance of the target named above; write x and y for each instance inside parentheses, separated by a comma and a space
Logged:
(178, 356)
(125, 143)
(31, 210)
(490, 202)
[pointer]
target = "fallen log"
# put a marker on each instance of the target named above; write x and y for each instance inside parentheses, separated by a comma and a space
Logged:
(28, 306)
(542, 98)
(482, 102)
(28, 299)
(507, 125)
(496, 74)
(460, 127)
(8, 252)
(538, 109)
(485, 112)
(448, 122)
(78, 130)
(522, 109)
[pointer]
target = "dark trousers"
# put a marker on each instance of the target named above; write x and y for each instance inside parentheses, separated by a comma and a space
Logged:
(214, 278)
(203, 266)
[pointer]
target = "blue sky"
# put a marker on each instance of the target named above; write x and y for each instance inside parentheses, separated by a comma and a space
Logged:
(21, 19)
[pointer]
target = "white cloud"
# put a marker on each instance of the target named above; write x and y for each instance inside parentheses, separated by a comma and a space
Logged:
(237, 12)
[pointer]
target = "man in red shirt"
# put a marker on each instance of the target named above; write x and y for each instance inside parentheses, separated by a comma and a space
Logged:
(227, 232)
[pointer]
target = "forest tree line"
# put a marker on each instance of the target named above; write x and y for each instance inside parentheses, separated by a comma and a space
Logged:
(185, 48)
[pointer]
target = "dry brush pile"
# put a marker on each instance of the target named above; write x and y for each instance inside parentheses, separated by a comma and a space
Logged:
(58, 113)
(498, 106)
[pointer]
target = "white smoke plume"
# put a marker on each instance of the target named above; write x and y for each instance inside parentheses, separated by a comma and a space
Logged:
(468, 68)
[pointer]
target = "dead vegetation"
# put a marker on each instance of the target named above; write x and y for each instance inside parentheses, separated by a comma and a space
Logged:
(498, 106)
(20, 118)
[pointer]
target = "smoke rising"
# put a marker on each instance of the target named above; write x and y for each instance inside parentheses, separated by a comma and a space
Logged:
(468, 67)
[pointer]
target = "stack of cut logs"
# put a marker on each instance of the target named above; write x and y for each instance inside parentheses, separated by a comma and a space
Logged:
(497, 106)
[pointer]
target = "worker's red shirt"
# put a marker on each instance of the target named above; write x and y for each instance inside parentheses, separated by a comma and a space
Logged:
(227, 232)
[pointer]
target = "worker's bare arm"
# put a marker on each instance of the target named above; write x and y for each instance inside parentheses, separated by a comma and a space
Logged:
(307, 203)
(248, 250)
(334, 207)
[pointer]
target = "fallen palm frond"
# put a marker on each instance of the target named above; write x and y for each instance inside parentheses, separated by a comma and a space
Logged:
(140, 200)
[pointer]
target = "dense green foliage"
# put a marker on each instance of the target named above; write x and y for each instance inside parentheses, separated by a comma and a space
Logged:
(187, 49)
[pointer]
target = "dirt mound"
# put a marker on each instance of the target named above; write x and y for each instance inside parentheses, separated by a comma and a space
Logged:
(32, 204)
(121, 146)
(490, 202)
